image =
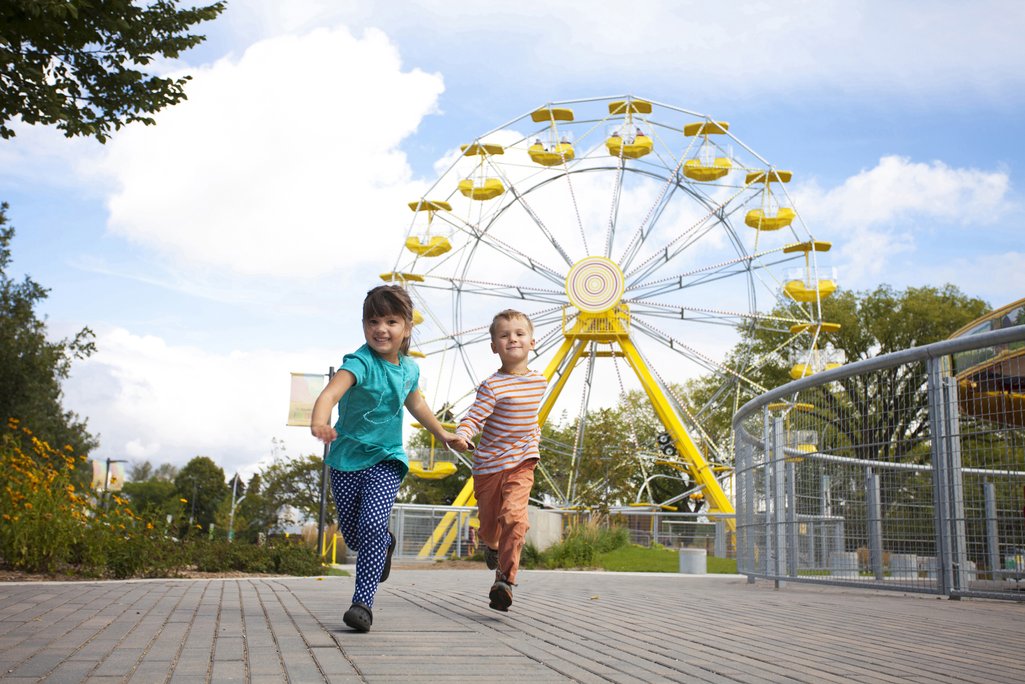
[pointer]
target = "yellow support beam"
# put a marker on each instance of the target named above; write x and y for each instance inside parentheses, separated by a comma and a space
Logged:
(445, 533)
(663, 409)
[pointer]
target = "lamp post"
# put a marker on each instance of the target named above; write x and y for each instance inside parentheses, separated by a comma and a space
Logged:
(234, 502)
(324, 479)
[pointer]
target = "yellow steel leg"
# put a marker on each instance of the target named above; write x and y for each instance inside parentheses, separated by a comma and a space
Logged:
(663, 409)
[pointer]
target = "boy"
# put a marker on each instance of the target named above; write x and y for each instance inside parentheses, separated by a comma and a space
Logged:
(505, 413)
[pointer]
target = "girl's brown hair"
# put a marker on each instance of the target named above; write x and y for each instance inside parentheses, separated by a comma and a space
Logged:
(389, 300)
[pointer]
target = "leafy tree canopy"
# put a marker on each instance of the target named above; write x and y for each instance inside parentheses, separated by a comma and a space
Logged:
(201, 483)
(80, 64)
(31, 366)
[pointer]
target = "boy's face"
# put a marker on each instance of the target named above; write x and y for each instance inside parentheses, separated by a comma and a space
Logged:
(512, 340)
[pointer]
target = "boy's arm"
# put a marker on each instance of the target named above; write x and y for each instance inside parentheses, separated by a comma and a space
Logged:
(483, 406)
(416, 405)
(331, 395)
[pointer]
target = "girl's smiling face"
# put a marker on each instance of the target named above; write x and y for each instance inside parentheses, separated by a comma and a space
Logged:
(385, 335)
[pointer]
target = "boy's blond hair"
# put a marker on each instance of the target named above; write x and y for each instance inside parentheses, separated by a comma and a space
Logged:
(509, 315)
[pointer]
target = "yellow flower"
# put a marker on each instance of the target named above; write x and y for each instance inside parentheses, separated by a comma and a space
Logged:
(28, 505)
(149, 526)
(184, 500)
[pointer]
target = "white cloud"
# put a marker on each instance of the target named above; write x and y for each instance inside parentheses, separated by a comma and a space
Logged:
(166, 404)
(886, 210)
(284, 162)
(743, 49)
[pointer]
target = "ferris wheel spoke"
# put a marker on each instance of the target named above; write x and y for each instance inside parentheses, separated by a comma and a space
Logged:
(578, 446)
(692, 354)
(705, 315)
(647, 227)
(664, 254)
(522, 200)
(482, 288)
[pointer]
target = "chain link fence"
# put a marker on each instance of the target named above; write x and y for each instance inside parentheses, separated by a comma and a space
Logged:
(905, 472)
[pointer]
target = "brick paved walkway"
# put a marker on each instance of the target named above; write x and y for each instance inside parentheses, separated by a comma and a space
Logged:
(435, 626)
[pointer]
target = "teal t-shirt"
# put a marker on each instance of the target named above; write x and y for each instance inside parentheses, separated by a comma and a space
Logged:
(370, 413)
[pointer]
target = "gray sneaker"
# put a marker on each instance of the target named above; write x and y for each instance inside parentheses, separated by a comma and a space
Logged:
(490, 557)
(500, 596)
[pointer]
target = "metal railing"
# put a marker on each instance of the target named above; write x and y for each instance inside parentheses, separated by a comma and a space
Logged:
(905, 471)
(416, 528)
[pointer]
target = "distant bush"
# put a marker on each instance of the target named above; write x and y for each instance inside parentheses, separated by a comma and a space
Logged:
(48, 525)
(582, 545)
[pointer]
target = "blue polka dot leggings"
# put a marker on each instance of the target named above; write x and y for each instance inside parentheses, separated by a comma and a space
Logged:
(364, 500)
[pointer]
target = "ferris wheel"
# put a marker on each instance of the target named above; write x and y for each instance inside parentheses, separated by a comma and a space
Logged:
(641, 239)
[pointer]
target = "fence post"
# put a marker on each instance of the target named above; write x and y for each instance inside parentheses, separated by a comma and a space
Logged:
(875, 523)
(778, 501)
(746, 524)
(992, 536)
(958, 535)
(826, 511)
(790, 470)
(937, 433)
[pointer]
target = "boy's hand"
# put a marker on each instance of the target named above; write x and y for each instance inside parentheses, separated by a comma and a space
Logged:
(325, 433)
(455, 442)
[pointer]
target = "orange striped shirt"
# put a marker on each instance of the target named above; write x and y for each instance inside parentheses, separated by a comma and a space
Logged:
(505, 413)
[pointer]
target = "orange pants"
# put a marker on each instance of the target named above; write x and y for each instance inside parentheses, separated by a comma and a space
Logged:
(502, 510)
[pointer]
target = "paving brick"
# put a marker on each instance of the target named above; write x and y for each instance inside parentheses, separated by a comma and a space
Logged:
(435, 625)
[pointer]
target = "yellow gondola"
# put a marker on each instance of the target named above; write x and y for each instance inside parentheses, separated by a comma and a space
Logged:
(489, 189)
(695, 170)
(559, 154)
(482, 188)
(556, 152)
(429, 245)
(800, 291)
(436, 245)
(629, 141)
(704, 167)
(396, 277)
(801, 286)
(432, 469)
(757, 219)
(639, 146)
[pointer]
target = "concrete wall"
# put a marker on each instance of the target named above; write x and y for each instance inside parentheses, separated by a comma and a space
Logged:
(545, 527)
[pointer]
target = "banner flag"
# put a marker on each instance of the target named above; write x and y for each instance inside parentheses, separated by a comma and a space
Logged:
(306, 387)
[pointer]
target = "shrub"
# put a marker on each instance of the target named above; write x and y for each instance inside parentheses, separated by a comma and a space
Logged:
(582, 545)
(47, 525)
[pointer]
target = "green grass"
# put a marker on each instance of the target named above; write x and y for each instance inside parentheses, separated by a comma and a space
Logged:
(633, 558)
(335, 572)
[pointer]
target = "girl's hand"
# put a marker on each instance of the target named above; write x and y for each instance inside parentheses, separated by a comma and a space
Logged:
(325, 433)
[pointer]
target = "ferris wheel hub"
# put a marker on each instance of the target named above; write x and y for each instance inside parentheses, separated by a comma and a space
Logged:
(595, 284)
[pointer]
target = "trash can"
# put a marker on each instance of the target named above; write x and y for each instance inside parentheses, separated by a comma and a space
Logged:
(693, 561)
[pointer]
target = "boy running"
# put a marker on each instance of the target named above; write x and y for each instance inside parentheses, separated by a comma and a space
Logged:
(505, 413)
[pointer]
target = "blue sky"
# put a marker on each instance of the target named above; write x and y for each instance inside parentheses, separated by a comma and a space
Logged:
(231, 244)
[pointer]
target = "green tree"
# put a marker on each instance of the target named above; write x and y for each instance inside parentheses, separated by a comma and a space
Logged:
(291, 488)
(201, 483)
(31, 366)
(255, 514)
(82, 66)
(883, 412)
(153, 498)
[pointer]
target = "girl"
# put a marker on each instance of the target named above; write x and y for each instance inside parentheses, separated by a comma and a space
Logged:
(366, 456)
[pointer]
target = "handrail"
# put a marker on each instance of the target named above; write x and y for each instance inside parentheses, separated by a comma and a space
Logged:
(927, 351)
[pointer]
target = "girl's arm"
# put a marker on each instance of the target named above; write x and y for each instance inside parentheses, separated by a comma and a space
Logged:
(416, 405)
(332, 394)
